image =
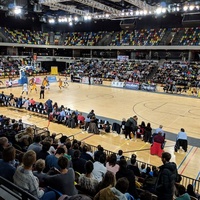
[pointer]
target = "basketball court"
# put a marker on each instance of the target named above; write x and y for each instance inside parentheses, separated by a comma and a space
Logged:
(172, 111)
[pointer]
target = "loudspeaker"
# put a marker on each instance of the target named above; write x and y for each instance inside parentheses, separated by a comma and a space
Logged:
(191, 19)
(128, 24)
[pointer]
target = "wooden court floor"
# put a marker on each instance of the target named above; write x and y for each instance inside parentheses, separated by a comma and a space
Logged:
(173, 112)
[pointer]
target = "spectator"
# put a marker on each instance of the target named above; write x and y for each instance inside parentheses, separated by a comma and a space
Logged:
(78, 163)
(107, 181)
(6, 169)
(38, 171)
(65, 180)
(81, 120)
(114, 193)
(3, 144)
(190, 190)
(52, 160)
(112, 165)
(120, 155)
(36, 146)
(147, 133)
(86, 181)
(166, 178)
(182, 194)
(124, 172)
(25, 179)
(42, 154)
(133, 167)
(181, 140)
(99, 168)
(85, 155)
(160, 129)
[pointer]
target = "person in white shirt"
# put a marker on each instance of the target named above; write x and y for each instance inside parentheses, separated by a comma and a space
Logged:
(99, 168)
(181, 140)
(25, 88)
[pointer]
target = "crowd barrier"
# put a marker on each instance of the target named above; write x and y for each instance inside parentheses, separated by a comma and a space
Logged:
(11, 191)
(185, 179)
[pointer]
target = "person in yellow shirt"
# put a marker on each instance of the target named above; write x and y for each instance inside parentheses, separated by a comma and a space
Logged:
(33, 84)
(45, 82)
(60, 83)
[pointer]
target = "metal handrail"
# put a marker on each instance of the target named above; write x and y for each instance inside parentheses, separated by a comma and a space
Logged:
(15, 191)
(185, 179)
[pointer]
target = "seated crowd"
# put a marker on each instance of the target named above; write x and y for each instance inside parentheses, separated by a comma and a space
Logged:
(176, 77)
(139, 37)
(52, 168)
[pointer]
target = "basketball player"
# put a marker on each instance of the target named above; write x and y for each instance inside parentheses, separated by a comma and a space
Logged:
(48, 85)
(25, 88)
(65, 82)
(60, 83)
(45, 81)
(33, 84)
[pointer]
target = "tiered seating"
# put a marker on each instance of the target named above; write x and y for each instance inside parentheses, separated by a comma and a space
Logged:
(191, 36)
(27, 37)
(94, 38)
(76, 38)
(143, 37)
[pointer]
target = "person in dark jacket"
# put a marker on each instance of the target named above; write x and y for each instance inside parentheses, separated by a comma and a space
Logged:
(78, 163)
(85, 155)
(127, 173)
(166, 178)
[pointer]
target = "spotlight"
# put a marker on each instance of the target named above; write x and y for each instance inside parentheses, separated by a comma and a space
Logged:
(17, 10)
(52, 21)
(191, 7)
(185, 8)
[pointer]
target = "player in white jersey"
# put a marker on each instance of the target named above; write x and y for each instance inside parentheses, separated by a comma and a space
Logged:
(47, 85)
(25, 88)
(65, 82)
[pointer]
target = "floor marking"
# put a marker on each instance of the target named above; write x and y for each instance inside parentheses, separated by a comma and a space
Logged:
(87, 137)
(185, 158)
(77, 133)
(189, 160)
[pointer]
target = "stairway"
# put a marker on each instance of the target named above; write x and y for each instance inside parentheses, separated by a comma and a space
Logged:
(105, 40)
(62, 39)
(166, 38)
(3, 36)
(51, 38)
(177, 37)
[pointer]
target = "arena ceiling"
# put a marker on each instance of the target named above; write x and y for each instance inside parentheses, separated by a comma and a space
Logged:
(97, 9)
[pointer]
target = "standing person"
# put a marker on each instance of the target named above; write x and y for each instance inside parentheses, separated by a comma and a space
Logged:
(89, 79)
(60, 83)
(33, 84)
(147, 132)
(72, 77)
(10, 82)
(166, 178)
(48, 85)
(65, 81)
(44, 82)
(42, 88)
(25, 88)
(128, 128)
(49, 106)
(181, 140)
(131, 126)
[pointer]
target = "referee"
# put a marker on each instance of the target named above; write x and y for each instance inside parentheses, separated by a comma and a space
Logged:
(42, 88)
